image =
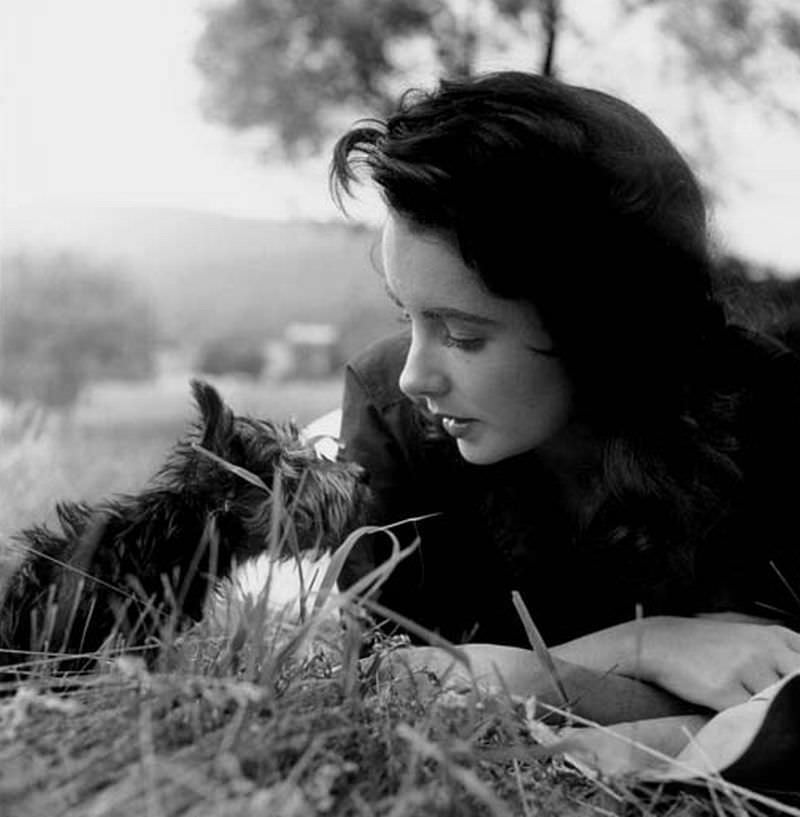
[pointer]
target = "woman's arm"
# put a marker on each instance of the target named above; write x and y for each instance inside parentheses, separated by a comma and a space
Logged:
(601, 697)
(712, 661)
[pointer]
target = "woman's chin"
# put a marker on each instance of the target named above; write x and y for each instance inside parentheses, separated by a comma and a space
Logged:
(483, 450)
(477, 454)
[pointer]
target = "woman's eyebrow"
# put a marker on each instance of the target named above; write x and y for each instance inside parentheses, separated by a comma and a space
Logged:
(445, 312)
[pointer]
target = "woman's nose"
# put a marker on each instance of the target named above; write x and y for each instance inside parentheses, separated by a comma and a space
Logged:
(422, 374)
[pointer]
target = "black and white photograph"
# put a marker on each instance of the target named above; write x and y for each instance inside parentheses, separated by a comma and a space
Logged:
(399, 408)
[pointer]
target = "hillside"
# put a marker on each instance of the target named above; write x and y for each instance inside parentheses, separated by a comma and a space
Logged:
(212, 275)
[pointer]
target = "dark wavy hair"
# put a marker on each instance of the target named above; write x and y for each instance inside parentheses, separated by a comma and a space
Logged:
(575, 201)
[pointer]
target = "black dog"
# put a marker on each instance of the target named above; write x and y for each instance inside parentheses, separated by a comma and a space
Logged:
(132, 564)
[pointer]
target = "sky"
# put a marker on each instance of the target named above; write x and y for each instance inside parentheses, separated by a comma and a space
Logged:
(100, 107)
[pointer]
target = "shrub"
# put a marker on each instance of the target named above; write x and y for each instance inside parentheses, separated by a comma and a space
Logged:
(231, 356)
(65, 321)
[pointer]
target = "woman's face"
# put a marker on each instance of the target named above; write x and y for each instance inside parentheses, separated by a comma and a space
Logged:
(481, 363)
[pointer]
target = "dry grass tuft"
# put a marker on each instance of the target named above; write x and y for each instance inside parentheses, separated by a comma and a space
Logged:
(263, 720)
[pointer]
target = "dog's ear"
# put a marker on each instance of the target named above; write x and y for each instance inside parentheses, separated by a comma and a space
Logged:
(73, 518)
(216, 417)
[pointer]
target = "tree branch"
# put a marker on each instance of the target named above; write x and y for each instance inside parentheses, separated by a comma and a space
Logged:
(551, 22)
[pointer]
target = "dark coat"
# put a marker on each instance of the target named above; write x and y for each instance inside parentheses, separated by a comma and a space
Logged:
(503, 527)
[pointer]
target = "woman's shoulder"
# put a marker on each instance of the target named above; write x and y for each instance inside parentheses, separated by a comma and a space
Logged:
(776, 369)
(378, 417)
(765, 376)
(760, 344)
(758, 365)
(377, 369)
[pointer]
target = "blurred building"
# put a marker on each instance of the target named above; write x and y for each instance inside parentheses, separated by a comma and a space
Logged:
(308, 350)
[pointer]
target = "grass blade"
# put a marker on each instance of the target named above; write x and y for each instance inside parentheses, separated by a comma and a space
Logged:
(234, 469)
(539, 647)
(341, 553)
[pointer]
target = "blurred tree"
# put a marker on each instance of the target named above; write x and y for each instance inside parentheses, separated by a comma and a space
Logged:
(289, 64)
(749, 46)
(65, 321)
(295, 67)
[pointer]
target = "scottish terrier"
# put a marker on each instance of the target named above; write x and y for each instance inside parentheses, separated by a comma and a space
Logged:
(130, 564)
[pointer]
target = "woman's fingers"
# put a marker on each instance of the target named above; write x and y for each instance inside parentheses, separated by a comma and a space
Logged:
(787, 662)
(791, 638)
(733, 694)
(718, 662)
(757, 681)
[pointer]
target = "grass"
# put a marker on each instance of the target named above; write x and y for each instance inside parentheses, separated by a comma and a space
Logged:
(258, 713)
(271, 722)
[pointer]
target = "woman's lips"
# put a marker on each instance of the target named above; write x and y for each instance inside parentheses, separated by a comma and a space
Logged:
(456, 426)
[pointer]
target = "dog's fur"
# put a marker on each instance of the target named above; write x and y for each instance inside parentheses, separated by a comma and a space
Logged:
(133, 563)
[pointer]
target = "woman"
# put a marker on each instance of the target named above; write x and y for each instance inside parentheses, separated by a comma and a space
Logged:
(569, 399)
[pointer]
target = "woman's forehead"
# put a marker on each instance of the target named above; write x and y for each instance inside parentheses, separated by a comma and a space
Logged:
(423, 272)
(423, 264)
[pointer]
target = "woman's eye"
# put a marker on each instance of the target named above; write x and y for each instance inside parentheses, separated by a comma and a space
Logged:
(465, 344)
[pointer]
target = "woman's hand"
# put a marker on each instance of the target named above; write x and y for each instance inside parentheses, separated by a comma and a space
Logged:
(710, 661)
